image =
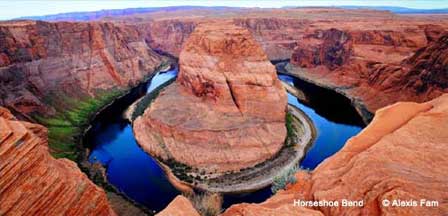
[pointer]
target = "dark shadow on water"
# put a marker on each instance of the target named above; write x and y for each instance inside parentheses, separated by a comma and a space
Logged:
(254, 197)
(329, 104)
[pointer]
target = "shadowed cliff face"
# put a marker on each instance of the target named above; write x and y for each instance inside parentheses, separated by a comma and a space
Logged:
(425, 74)
(429, 67)
(167, 36)
(226, 110)
(34, 183)
(41, 62)
(334, 51)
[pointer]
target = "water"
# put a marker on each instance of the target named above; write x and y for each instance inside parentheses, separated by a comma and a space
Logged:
(333, 117)
(128, 167)
(161, 78)
(138, 176)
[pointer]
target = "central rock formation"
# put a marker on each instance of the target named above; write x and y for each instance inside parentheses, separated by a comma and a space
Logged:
(225, 112)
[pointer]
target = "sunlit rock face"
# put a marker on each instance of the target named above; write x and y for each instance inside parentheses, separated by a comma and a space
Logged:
(34, 183)
(224, 65)
(42, 63)
(226, 111)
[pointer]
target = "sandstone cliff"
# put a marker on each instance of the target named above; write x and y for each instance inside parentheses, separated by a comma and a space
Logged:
(42, 63)
(280, 31)
(400, 155)
(337, 62)
(34, 183)
(180, 206)
(226, 110)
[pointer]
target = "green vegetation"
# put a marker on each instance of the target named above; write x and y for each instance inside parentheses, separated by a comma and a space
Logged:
(179, 169)
(289, 127)
(72, 116)
(283, 179)
(294, 130)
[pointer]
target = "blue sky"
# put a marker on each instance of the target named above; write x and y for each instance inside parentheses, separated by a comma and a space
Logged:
(17, 8)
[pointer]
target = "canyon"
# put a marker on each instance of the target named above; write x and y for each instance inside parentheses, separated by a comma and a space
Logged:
(43, 63)
(226, 110)
(60, 73)
(337, 62)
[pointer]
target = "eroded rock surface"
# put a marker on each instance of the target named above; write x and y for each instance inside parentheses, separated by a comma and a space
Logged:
(400, 155)
(378, 33)
(42, 63)
(226, 110)
(180, 206)
(340, 62)
(34, 183)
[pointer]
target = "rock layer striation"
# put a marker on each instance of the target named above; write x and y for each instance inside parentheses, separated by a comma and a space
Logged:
(226, 110)
(339, 60)
(34, 183)
(42, 63)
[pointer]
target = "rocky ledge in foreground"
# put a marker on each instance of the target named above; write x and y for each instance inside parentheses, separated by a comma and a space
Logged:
(401, 155)
(34, 183)
(226, 110)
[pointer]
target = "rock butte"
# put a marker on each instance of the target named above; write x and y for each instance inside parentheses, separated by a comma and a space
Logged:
(34, 183)
(226, 110)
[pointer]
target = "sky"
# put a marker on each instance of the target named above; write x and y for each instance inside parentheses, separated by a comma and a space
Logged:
(10, 9)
